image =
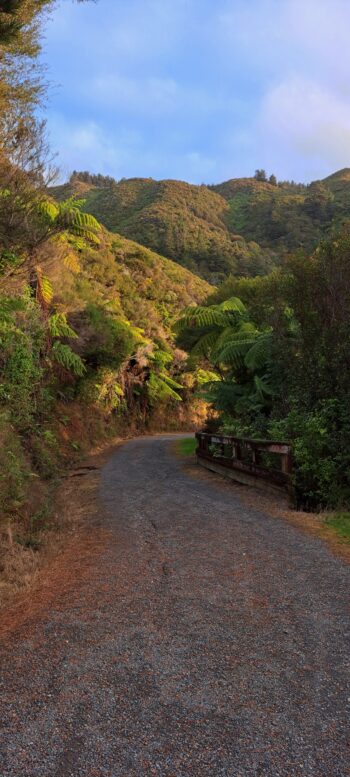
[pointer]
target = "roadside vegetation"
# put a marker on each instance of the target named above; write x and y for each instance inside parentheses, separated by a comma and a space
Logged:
(187, 446)
(340, 523)
(279, 348)
(87, 350)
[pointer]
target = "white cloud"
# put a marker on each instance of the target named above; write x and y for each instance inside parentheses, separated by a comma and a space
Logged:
(87, 146)
(295, 34)
(301, 118)
(296, 63)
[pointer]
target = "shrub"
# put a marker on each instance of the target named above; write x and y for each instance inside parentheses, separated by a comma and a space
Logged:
(321, 454)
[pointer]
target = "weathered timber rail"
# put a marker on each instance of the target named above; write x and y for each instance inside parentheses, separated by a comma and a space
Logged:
(263, 463)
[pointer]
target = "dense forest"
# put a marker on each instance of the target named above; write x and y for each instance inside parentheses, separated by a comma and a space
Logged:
(184, 222)
(280, 348)
(101, 334)
(245, 226)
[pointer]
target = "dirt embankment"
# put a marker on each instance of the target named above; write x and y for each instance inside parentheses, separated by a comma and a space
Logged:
(62, 542)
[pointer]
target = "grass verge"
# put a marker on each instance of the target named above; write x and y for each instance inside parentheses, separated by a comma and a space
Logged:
(340, 523)
(187, 446)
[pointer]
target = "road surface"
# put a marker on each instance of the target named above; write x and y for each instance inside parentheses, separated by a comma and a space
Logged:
(206, 639)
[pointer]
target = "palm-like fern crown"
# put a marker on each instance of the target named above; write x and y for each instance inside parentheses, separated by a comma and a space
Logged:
(225, 335)
(69, 216)
(237, 349)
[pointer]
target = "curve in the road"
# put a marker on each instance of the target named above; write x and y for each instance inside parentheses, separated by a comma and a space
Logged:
(209, 640)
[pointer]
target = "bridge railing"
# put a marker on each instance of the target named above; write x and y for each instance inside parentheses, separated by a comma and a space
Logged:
(263, 460)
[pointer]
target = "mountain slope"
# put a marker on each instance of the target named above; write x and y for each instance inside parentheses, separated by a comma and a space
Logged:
(287, 216)
(186, 223)
(134, 282)
(87, 352)
(243, 226)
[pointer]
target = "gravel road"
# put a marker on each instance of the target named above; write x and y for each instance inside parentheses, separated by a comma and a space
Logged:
(207, 639)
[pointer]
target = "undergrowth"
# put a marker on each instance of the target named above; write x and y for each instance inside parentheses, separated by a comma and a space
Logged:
(340, 523)
(187, 446)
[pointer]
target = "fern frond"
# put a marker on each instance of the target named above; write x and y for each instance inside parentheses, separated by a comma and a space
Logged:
(227, 335)
(59, 327)
(72, 263)
(45, 288)
(159, 389)
(170, 381)
(89, 222)
(82, 224)
(233, 351)
(85, 233)
(258, 354)
(48, 209)
(223, 394)
(73, 217)
(206, 343)
(263, 389)
(233, 305)
(198, 316)
(72, 202)
(63, 355)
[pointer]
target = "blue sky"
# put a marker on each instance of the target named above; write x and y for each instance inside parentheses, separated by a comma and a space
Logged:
(200, 90)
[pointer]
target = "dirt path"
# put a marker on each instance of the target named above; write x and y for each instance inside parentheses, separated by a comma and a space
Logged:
(203, 638)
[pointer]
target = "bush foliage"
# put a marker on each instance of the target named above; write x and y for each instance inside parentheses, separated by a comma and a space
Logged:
(282, 363)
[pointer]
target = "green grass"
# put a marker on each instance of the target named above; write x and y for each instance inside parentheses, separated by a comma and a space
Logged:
(187, 446)
(340, 522)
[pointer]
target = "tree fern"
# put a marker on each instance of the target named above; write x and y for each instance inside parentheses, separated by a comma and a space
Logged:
(63, 355)
(206, 343)
(257, 356)
(233, 305)
(159, 388)
(68, 215)
(48, 209)
(44, 288)
(213, 315)
(233, 352)
(59, 327)
(82, 224)
(72, 263)
(197, 316)
(263, 389)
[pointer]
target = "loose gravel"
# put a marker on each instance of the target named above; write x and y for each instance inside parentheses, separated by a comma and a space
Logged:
(206, 639)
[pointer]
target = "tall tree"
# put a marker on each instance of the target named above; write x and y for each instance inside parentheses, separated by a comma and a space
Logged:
(21, 76)
(260, 175)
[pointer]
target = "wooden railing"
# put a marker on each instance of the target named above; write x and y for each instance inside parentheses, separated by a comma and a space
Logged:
(265, 460)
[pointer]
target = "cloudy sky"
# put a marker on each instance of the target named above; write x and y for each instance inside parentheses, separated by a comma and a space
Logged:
(201, 90)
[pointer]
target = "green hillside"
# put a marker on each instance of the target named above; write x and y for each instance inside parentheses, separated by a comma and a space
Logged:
(87, 346)
(244, 226)
(130, 281)
(286, 216)
(189, 224)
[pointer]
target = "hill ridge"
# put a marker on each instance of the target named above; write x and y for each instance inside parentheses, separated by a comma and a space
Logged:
(243, 226)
